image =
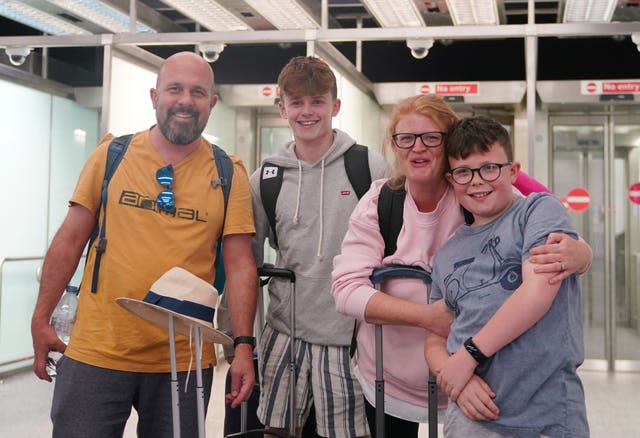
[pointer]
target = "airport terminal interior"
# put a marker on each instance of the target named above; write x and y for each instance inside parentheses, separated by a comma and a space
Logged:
(562, 76)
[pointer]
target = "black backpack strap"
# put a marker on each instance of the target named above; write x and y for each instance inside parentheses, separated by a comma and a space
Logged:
(468, 216)
(390, 220)
(224, 166)
(270, 184)
(390, 216)
(115, 153)
(356, 163)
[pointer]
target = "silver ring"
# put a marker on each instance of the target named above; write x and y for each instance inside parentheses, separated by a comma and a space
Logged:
(561, 266)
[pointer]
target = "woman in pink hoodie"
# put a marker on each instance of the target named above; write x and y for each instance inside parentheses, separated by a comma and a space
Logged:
(416, 135)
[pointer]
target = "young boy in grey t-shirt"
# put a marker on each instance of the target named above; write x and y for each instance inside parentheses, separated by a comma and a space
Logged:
(509, 363)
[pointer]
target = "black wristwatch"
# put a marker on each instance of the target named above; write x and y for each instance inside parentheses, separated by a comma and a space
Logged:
(244, 340)
(475, 352)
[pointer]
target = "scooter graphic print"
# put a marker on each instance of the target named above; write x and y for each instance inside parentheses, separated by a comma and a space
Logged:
(507, 272)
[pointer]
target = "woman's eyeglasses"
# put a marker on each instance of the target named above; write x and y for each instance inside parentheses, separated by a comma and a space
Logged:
(407, 140)
(166, 200)
(488, 172)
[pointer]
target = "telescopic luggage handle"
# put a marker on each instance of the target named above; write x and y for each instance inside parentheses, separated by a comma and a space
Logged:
(380, 274)
(268, 270)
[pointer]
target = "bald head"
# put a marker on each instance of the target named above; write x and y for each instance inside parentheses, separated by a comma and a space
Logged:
(189, 63)
(183, 98)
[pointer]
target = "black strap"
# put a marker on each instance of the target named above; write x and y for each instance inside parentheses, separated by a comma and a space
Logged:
(468, 216)
(224, 166)
(115, 153)
(356, 163)
(270, 184)
(390, 220)
(390, 216)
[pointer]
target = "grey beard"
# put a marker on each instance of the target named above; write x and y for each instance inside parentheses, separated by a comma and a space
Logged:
(180, 136)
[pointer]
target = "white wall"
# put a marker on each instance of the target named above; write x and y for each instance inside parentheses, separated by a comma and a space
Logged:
(359, 114)
(131, 109)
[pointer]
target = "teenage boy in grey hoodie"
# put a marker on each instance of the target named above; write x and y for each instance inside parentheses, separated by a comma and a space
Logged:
(312, 213)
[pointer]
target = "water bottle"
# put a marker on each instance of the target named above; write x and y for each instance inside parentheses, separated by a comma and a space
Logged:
(64, 315)
(62, 319)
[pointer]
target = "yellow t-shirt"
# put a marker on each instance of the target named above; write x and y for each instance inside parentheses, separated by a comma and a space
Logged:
(143, 243)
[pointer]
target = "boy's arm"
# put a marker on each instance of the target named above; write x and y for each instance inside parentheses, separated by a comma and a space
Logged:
(476, 398)
(526, 306)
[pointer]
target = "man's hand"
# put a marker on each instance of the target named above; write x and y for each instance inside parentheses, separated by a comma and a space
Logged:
(242, 376)
(44, 340)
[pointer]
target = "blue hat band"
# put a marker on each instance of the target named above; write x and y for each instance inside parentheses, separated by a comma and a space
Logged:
(186, 308)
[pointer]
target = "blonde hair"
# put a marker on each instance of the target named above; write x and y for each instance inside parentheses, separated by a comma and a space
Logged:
(429, 105)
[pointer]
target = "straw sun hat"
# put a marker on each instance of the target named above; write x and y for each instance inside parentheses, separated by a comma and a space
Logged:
(187, 297)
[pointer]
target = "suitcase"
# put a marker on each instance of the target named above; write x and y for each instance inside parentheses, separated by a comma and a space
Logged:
(246, 424)
(378, 276)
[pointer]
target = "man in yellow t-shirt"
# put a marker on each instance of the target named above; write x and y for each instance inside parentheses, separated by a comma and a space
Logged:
(115, 360)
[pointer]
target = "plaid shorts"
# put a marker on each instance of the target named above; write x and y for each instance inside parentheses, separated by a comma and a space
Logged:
(323, 378)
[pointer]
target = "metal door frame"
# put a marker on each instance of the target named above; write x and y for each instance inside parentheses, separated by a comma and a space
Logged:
(605, 117)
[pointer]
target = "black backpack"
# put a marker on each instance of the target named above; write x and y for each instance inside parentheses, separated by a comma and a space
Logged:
(117, 149)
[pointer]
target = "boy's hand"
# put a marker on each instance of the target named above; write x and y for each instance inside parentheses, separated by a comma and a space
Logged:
(476, 400)
(456, 372)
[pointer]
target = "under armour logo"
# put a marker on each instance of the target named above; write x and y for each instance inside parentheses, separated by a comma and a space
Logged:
(269, 172)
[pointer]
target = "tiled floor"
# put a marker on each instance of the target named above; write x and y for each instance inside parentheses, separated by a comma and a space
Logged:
(613, 406)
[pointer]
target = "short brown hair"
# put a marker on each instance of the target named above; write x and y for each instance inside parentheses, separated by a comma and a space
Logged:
(477, 134)
(307, 76)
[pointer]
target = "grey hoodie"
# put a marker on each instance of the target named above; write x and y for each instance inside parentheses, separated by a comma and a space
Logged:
(312, 216)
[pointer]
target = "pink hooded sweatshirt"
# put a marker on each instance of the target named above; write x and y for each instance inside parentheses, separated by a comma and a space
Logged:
(422, 234)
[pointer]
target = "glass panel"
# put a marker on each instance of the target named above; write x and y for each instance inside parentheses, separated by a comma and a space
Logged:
(627, 237)
(19, 291)
(272, 137)
(578, 161)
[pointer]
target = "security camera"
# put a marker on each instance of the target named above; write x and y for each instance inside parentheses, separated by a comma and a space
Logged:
(420, 48)
(17, 55)
(211, 52)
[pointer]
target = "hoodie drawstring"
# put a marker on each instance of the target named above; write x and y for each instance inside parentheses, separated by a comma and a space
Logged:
(186, 382)
(319, 252)
(295, 214)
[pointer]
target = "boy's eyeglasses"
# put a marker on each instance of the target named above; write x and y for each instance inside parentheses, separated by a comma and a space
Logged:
(406, 140)
(488, 172)
(166, 200)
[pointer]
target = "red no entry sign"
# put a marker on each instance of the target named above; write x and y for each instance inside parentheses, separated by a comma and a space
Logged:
(634, 193)
(578, 199)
